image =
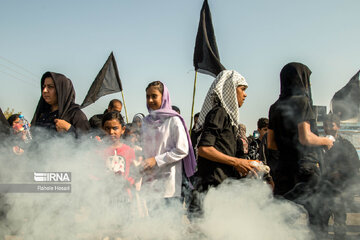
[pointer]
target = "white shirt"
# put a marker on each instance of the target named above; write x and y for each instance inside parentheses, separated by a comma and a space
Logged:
(166, 176)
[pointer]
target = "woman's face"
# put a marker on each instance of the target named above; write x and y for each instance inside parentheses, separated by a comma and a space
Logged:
(49, 92)
(153, 98)
(113, 129)
(241, 95)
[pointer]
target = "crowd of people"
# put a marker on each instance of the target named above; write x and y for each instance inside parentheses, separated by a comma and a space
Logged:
(156, 151)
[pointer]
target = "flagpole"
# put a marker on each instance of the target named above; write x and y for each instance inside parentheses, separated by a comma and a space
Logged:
(192, 108)
(127, 121)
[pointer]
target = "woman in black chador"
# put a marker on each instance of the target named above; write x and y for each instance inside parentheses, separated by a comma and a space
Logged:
(57, 109)
(292, 131)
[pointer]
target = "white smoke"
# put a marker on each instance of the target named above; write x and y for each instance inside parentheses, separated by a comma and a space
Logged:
(247, 210)
(97, 206)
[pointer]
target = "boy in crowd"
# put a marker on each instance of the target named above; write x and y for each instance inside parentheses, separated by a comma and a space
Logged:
(255, 145)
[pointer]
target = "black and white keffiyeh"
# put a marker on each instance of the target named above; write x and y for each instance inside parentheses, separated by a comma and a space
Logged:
(223, 89)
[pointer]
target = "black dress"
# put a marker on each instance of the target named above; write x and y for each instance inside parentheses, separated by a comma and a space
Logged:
(284, 117)
(297, 162)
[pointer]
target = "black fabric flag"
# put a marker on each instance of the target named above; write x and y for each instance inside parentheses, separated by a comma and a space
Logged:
(4, 125)
(106, 82)
(206, 55)
(346, 101)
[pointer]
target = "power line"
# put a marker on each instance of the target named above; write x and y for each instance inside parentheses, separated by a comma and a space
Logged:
(30, 83)
(19, 66)
(11, 69)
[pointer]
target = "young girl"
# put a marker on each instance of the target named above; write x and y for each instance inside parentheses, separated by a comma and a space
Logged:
(120, 159)
(118, 156)
(166, 144)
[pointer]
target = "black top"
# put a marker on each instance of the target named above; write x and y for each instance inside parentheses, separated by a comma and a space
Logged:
(294, 106)
(284, 117)
(46, 120)
(341, 163)
(194, 136)
(219, 133)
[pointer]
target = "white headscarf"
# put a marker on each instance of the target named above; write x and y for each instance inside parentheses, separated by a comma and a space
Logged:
(224, 89)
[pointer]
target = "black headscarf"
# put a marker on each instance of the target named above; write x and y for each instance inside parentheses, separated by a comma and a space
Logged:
(68, 109)
(295, 80)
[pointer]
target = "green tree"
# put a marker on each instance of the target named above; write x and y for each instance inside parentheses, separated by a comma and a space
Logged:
(9, 112)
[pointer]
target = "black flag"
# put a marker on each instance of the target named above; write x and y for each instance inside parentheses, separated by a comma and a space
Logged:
(346, 101)
(106, 82)
(206, 55)
(4, 126)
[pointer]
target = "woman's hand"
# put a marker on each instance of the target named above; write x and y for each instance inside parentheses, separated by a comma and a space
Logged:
(148, 164)
(62, 125)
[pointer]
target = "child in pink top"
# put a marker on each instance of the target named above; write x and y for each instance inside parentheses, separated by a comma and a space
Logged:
(119, 157)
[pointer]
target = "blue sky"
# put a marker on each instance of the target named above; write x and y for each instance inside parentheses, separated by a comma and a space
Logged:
(154, 40)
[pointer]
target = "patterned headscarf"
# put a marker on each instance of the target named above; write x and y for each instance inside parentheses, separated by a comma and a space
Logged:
(223, 90)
